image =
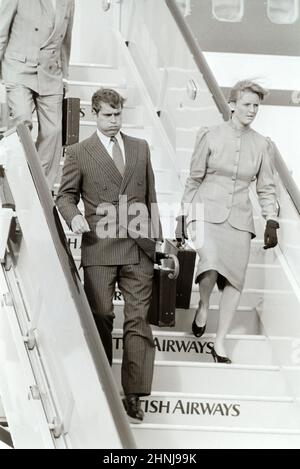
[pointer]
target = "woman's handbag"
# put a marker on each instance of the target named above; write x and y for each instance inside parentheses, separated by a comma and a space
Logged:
(186, 257)
(163, 303)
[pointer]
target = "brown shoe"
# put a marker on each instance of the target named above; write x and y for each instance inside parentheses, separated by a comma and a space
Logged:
(132, 406)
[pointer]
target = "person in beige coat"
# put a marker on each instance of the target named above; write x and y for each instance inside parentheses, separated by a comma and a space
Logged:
(35, 43)
(217, 210)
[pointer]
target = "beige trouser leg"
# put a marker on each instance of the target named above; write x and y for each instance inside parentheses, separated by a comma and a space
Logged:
(49, 141)
(21, 103)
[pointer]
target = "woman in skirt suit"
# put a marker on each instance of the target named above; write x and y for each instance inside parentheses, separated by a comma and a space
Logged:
(217, 211)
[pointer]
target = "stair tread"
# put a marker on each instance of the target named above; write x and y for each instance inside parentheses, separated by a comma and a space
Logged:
(216, 428)
(192, 364)
(224, 397)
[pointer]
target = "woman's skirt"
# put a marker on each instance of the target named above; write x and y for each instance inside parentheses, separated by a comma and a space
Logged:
(222, 248)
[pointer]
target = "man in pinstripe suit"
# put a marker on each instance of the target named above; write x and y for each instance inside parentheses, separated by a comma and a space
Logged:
(111, 171)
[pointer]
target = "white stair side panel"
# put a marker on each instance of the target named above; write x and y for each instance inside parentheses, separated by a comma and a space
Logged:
(177, 97)
(195, 117)
(155, 436)
(214, 378)
(25, 415)
(2, 413)
(179, 77)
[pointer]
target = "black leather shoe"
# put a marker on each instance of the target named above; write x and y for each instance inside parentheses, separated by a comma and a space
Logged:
(219, 359)
(198, 331)
(132, 406)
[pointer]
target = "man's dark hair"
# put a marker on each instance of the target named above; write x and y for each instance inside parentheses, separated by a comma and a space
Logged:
(108, 96)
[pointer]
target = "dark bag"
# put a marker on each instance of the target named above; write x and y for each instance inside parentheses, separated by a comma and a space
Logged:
(186, 257)
(70, 121)
(163, 303)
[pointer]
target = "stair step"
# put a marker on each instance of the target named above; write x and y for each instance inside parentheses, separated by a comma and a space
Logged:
(174, 345)
(230, 412)
(179, 436)
(211, 378)
(85, 90)
(95, 72)
(246, 320)
(181, 346)
(130, 115)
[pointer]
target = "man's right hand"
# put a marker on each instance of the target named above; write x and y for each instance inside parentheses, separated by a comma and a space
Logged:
(181, 233)
(79, 225)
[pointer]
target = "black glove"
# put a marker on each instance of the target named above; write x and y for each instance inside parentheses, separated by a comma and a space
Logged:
(270, 236)
(158, 256)
(181, 229)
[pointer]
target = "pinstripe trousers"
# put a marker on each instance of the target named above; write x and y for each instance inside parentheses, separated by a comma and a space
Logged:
(135, 283)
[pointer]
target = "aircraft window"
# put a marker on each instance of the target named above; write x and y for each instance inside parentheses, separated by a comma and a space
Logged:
(283, 11)
(228, 10)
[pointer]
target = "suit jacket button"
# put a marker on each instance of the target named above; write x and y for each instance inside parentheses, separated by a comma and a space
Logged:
(36, 29)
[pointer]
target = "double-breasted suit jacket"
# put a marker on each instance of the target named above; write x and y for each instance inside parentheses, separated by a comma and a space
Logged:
(90, 172)
(34, 47)
(224, 163)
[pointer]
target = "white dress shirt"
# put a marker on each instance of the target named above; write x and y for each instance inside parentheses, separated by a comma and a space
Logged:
(108, 144)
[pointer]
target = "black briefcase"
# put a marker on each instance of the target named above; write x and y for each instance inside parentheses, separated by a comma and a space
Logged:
(186, 257)
(70, 121)
(163, 303)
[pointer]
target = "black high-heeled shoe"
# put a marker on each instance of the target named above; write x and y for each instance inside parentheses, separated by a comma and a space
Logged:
(218, 359)
(198, 331)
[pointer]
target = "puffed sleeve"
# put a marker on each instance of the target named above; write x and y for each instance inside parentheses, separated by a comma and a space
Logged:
(266, 186)
(197, 169)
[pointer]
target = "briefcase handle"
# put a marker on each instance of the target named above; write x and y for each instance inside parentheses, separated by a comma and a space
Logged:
(173, 275)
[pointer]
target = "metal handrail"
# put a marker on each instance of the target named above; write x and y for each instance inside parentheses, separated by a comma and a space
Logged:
(71, 274)
(200, 60)
(220, 100)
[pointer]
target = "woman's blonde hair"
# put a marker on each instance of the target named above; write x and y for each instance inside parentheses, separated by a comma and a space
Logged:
(246, 85)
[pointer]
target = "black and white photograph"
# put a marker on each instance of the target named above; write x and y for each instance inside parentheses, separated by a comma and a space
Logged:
(150, 227)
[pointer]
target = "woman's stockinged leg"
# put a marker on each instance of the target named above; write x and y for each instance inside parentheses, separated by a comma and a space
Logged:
(228, 305)
(206, 284)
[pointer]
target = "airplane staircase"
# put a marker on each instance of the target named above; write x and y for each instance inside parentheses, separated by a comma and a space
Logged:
(195, 403)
